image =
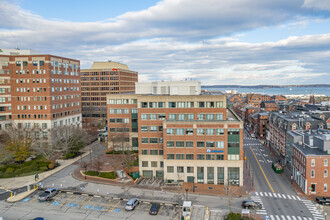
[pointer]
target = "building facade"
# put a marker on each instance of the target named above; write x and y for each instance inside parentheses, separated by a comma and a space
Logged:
(103, 78)
(39, 90)
(311, 163)
(180, 138)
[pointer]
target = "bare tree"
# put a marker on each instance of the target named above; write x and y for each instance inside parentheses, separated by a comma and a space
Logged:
(97, 166)
(69, 138)
(84, 165)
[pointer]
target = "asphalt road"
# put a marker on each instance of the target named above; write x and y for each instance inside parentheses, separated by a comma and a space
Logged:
(274, 191)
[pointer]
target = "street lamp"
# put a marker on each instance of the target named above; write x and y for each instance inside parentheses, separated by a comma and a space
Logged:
(186, 194)
(193, 184)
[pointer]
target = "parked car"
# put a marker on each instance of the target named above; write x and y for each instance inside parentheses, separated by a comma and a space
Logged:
(131, 204)
(48, 194)
(323, 200)
(251, 205)
(154, 209)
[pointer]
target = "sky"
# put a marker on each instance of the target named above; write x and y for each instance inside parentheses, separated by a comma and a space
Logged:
(217, 42)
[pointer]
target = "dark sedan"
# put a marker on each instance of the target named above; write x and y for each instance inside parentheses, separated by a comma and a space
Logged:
(251, 205)
(154, 209)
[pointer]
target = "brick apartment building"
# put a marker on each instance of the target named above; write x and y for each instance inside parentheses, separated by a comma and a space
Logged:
(181, 134)
(38, 90)
(103, 78)
(311, 157)
(280, 123)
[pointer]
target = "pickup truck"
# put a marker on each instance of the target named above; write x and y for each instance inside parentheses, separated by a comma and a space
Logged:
(48, 194)
(323, 200)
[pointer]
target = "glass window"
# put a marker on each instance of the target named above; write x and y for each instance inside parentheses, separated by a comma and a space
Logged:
(210, 105)
(144, 152)
(144, 104)
(210, 175)
(144, 140)
(153, 128)
(220, 144)
(161, 152)
(220, 131)
(172, 104)
(190, 117)
(170, 131)
(210, 144)
(189, 156)
(201, 104)
(153, 163)
(179, 131)
(190, 104)
(221, 175)
(179, 156)
(144, 128)
(312, 173)
(161, 116)
(218, 104)
(170, 156)
(179, 144)
(220, 157)
(180, 169)
(181, 117)
(189, 131)
(160, 140)
(144, 116)
(325, 162)
(200, 174)
(200, 144)
(313, 162)
(181, 104)
(112, 111)
(200, 117)
(325, 173)
(144, 163)
(190, 169)
(134, 110)
(219, 117)
(200, 156)
(210, 157)
(119, 120)
(189, 144)
(152, 104)
(170, 169)
(161, 104)
(200, 131)
(172, 117)
(153, 116)
(112, 120)
(153, 152)
(126, 111)
(170, 143)
(233, 176)
(209, 117)
(160, 128)
(325, 187)
(209, 131)
(153, 140)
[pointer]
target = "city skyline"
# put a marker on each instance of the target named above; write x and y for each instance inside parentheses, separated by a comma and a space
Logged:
(228, 42)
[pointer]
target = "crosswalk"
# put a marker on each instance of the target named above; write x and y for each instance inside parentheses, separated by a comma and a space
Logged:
(252, 144)
(261, 211)
(313, 209)
(277, 195)
(288, 217)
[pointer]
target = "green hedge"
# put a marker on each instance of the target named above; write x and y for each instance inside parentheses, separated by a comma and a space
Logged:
(39, 164)
(108, 175)
(234, 216)
(120, 152)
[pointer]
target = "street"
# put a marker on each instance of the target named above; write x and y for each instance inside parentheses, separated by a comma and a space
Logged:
(273, 190)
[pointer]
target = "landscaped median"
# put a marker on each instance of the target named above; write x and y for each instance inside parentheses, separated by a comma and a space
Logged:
(107, 175)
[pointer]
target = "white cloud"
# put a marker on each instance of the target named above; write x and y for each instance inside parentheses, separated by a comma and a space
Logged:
(317, 4)
(178, 39)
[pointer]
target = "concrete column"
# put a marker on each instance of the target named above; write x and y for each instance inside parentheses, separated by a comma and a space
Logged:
(225, 175)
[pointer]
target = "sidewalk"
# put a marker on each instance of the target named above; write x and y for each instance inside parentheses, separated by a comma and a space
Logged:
(18, 182)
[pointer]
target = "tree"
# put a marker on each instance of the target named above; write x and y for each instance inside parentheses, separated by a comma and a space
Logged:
(97, 166)
(84, 165)
(69, 139)
(19, 140)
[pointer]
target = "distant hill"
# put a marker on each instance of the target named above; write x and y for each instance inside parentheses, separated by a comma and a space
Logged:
(265, 86)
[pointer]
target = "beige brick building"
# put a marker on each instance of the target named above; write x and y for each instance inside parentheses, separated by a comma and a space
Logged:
(188, 138)
(103, 78)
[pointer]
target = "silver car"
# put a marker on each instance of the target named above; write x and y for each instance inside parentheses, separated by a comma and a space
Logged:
(48, 194)
(131, 204)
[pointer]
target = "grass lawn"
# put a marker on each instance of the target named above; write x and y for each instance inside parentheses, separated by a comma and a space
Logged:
(108, 175)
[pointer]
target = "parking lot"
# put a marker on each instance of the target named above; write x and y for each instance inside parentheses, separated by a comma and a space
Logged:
(68, 202)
